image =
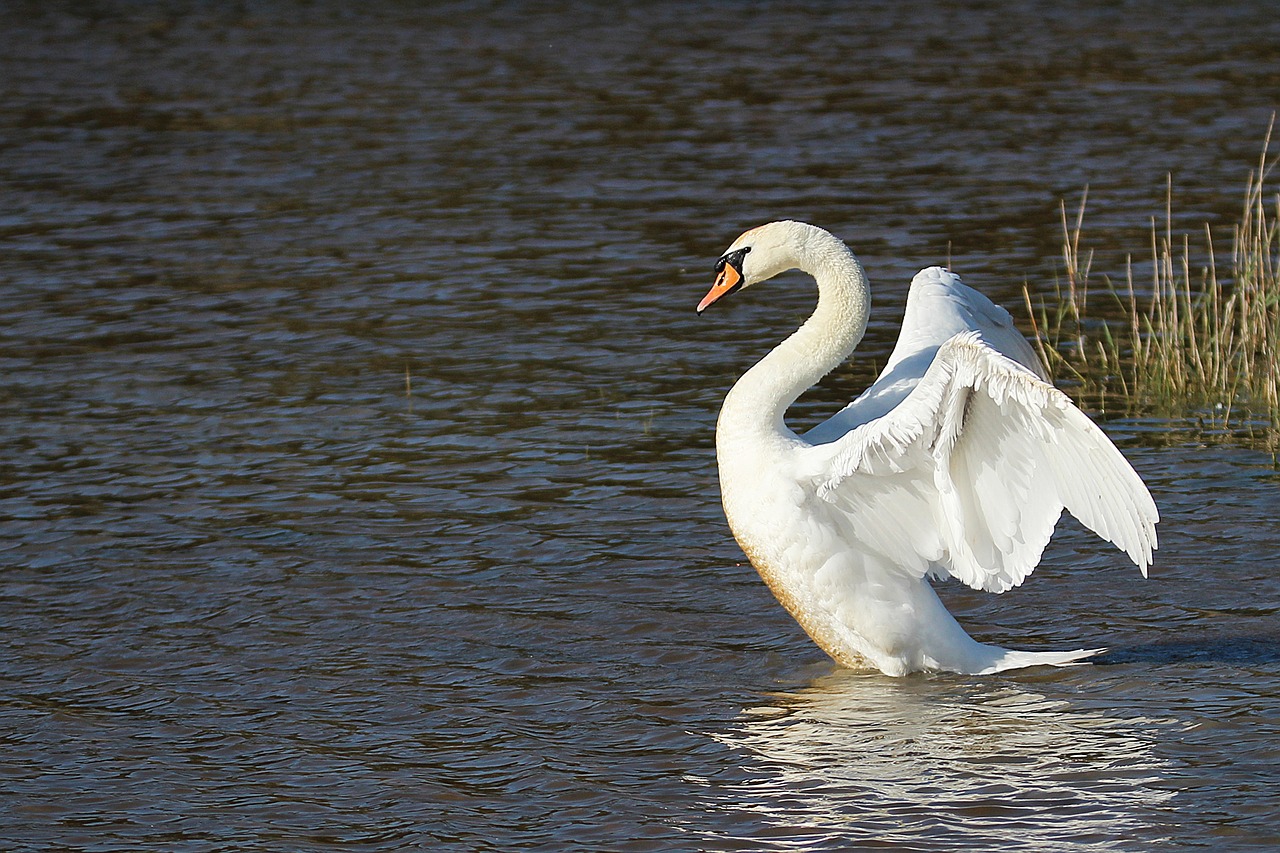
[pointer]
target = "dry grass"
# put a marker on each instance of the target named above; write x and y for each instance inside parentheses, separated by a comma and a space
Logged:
(1178, 338)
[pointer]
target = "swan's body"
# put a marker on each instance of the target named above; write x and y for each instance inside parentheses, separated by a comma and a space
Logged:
(957, 462)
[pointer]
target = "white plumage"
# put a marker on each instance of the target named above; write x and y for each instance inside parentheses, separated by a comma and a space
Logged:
(957, 462)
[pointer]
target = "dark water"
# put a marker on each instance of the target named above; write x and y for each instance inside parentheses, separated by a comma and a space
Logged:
(358, 485)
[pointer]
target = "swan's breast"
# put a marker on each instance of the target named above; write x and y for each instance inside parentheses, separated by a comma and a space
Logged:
(782, 531)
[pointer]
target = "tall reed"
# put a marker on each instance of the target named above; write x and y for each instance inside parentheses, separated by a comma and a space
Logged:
(1177, 338)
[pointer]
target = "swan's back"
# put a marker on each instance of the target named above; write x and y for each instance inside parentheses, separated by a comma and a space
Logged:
(939, 305)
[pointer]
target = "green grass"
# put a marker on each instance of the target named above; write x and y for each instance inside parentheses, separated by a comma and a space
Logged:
(1186, 334)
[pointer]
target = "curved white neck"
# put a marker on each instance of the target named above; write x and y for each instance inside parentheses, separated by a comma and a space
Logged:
(760, 399)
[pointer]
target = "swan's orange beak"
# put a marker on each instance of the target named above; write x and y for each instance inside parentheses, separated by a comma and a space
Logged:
(726, 282)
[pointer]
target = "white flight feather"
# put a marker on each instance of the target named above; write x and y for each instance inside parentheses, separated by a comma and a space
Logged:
(1006, 453)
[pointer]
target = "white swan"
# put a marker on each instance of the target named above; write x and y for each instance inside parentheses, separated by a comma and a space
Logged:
(957, 462)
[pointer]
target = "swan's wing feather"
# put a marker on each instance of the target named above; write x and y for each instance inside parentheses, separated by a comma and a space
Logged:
(939, 306)
(968, 475)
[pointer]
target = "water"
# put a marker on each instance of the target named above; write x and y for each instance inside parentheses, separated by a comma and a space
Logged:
(358, 488)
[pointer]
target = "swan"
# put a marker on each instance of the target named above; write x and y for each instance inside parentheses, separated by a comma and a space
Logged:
(956, 462)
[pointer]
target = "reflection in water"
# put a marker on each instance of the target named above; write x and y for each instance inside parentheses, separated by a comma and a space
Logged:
(936, 762)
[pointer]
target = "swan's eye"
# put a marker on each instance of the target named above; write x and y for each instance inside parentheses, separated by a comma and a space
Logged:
(734, 259)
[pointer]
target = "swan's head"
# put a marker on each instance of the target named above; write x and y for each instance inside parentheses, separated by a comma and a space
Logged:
(758, 255)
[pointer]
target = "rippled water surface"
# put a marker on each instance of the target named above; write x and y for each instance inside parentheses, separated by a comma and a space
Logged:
(358, 485)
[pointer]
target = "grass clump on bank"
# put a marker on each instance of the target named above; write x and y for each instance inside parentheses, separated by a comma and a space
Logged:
(1177, 338)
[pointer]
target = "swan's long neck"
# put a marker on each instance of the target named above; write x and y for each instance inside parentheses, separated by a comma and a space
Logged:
(755, 407)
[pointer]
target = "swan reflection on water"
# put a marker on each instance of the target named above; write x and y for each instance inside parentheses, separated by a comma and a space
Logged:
(937, 761)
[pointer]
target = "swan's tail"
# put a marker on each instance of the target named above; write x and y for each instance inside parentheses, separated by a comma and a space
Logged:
(1008, 659)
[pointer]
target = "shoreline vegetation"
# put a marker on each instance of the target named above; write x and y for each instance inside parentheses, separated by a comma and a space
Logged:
(1182, 337)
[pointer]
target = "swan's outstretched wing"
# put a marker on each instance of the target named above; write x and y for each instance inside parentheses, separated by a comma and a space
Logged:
(939, 306)
(968, 474)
